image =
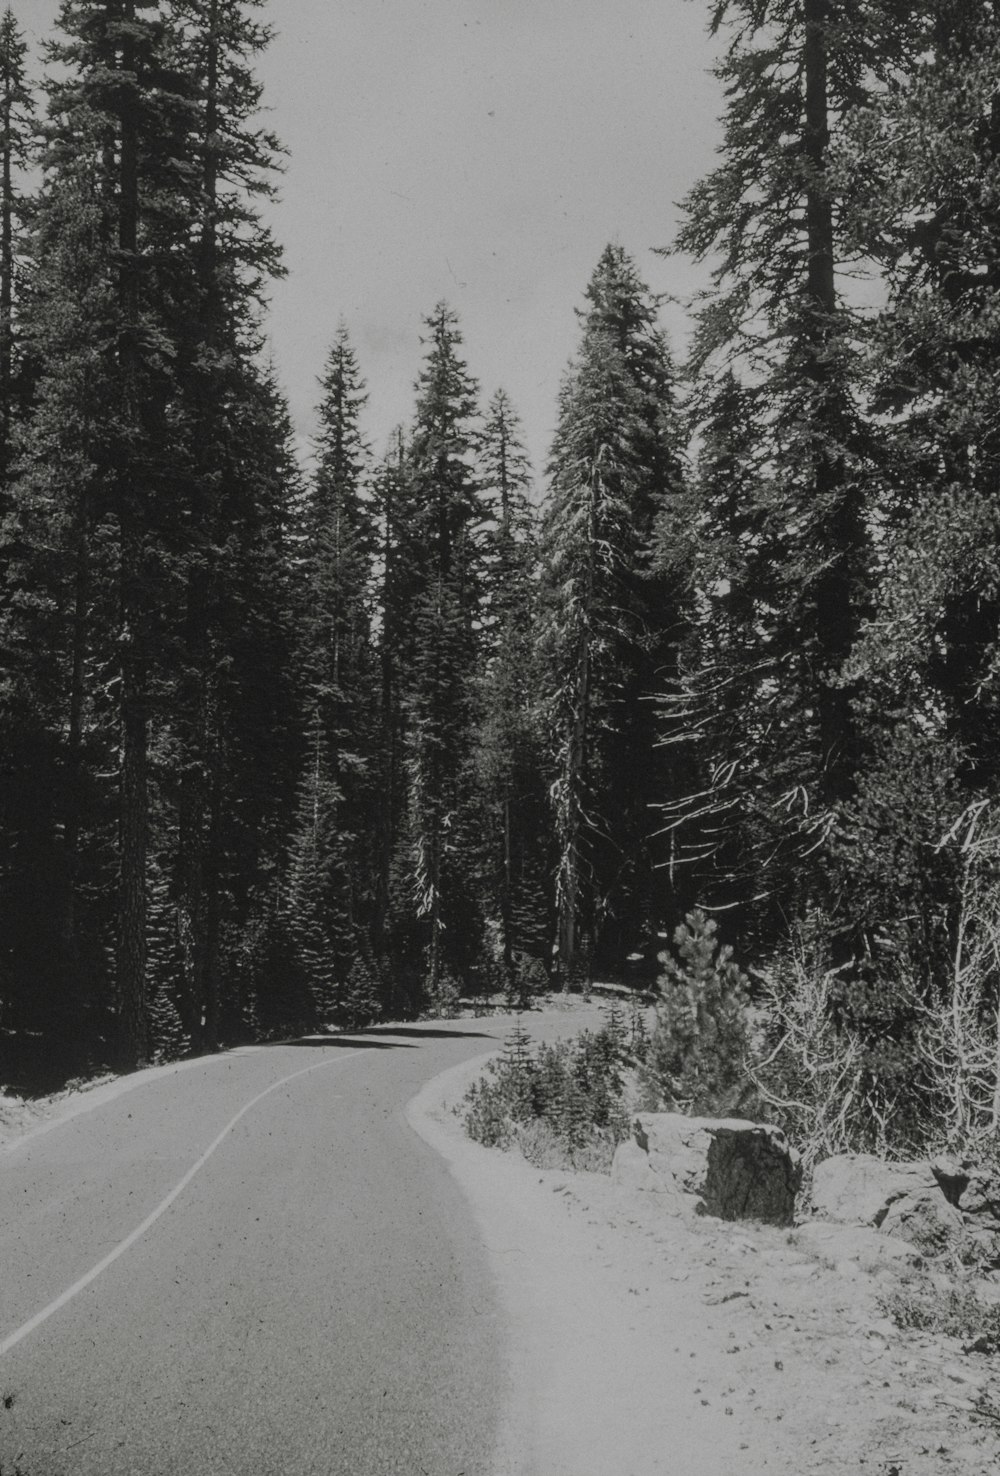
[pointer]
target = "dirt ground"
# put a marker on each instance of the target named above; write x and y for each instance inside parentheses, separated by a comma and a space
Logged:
(642, 1344)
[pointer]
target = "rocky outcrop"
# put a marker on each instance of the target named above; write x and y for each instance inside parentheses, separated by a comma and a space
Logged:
(859, 1189)
(925, 1220)
(979, 1198)
(753, 1174)
(940, 1205)
(631, 1169)
(725, 1167)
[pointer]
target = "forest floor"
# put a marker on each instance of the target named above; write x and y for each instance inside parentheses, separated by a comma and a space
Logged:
(641, 1344)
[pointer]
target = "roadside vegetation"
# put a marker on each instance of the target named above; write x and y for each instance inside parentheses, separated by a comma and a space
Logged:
(562, 1105)
(955, 1311)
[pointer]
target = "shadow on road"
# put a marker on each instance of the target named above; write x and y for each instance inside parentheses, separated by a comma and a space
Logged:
(372, 1039)
(416, 1031)
(340, 1041)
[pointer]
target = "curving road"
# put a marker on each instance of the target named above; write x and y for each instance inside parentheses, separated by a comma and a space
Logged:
(250, 1264)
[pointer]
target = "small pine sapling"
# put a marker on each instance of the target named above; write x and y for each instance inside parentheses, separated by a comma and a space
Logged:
(638, 1034)
(695, 1061)
(505, 1096)
(574, 1116)
(615, 1028)
(361, 1004)
(516, 1052)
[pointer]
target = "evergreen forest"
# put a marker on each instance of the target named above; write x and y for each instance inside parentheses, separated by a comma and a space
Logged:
(285, 745)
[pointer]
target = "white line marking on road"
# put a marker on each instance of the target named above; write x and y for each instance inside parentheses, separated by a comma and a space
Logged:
(151, 1219)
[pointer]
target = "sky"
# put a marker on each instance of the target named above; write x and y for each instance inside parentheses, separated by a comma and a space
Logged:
(478, 151)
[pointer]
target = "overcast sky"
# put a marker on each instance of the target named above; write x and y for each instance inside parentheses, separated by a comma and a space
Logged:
(481, 151)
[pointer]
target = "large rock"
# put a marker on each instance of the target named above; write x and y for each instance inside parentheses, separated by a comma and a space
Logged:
(980, 1198)
(859, 1189)
(952, 1177)
(631, 1169)
(925, 1220)
(738, 1170)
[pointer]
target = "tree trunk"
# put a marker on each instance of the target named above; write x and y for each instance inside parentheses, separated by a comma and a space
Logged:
(74, 736)
(133, 796)
(576, 758)
(7, 273)
(836, 615)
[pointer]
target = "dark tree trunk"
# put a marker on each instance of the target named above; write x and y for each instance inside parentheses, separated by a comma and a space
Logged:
(133, 795)
(201, 801)
(7, 274)
(836, 613)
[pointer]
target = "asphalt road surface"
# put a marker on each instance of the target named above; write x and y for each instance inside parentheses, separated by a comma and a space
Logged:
(250, 1265)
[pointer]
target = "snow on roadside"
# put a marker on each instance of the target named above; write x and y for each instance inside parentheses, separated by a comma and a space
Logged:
(641, 1345)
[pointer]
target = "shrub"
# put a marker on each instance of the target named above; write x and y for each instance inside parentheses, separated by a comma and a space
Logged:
(546, 1148)
(696, 1058)
(815, 1071)
(953, 1311)
(566, 1099)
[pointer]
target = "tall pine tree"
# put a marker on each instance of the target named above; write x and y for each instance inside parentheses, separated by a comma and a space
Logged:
(610, 631)
(334, 853)
(439, 574)
(510, 755)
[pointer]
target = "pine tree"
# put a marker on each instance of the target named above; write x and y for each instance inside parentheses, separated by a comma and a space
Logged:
(232, 679)
(919, 168)
(339, 674)
(729, 726)
(150, 511)
(509, 758)
(393, 633)
(695, 1058)
(609, 632)
(778, 337)
(90, 515)
(443, 572)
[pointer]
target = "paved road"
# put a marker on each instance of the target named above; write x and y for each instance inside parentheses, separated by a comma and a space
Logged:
(309, 1296)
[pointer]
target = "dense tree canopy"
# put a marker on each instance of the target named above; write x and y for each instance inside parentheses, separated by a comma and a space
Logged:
(291, 740)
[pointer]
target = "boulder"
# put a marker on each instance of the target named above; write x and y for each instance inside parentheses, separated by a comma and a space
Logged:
(631, 1169)
(738, 1170)
(985, 1246)
(858, 1188)
(952, 1177)
(980, 1198)
(925, 1220)
(677, 1146)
